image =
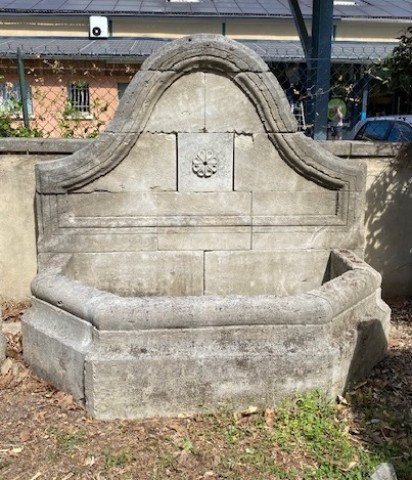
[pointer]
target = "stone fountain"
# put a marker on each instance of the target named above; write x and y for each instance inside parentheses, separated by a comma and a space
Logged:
(201, 252)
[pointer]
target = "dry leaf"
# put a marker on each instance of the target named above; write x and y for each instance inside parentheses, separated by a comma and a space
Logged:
(14, 452)
(6, 366)
(25, 436)
(270, 417)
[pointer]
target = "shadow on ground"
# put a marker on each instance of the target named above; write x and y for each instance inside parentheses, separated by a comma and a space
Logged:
(382, 404)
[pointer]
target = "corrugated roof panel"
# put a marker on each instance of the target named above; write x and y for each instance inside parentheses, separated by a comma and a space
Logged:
(275, 50)
(369, 8)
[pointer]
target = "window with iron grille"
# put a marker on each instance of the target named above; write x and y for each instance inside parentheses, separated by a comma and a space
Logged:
(79, 97)
(11, 101)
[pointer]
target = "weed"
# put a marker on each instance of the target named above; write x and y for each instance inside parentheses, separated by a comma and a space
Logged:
(233, 434)
(117, 459)
(70, 441)
(187, 445)
(311, 424)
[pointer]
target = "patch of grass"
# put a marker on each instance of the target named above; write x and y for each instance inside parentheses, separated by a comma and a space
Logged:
(311, 425)
(234, 434)
(117, 459)
(306, 438)
(70, 441)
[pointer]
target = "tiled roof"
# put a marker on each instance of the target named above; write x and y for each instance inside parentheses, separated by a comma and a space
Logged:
(138, 49)
(400, 9)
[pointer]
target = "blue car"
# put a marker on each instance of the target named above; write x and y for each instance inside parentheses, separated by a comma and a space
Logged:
(391, 128)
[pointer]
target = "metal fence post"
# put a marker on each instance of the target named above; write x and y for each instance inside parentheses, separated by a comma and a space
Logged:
(23, 88)
(322, 22)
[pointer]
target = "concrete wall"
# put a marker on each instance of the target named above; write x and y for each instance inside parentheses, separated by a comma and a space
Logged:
(18, 157)
(388, 219)
(388, 206)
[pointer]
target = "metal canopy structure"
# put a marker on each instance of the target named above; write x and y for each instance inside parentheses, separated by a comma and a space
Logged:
(318, 49)
(361, 9)
(137, 49)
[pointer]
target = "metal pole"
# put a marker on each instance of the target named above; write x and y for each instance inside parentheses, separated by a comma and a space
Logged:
(23, 89)
(322, 25)
(300, 26)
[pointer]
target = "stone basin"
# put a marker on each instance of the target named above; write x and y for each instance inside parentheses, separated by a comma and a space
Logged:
(128, 357)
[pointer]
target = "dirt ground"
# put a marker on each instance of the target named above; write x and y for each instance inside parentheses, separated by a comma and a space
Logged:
(44, 434)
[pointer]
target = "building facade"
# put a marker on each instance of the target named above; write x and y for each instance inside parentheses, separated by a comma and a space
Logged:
(79, 55)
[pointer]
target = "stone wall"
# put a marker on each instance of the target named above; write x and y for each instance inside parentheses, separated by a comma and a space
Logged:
(388, 221)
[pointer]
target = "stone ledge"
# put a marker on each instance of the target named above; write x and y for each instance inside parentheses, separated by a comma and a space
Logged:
(42, 145)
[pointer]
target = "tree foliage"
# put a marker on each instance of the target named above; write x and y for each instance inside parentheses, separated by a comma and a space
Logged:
(395, 71)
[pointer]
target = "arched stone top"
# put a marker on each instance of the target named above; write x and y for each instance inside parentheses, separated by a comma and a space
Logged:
(207, 53)
(198, 53)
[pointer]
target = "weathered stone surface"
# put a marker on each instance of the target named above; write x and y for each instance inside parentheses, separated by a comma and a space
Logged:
(141, 273)
(123, 205)
(181, 107)
(382, 166)
(264, 273)
(204, 238)
(273, 204)
(305, 237)
(102, 240)
(205, 52)
(55, 343)
(301, 342)
(227, 108)
(198, 370)
(17, 237)
(205, 162)
(269, 100)
(384, 471)
(259, 167)
(150, 165)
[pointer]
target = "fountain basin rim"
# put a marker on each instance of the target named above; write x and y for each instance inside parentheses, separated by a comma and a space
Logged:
(354, 280)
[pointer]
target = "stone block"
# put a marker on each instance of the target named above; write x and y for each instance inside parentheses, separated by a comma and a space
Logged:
(228, 109)
(260, 167)
(204, 238)
(148, 208)
(205, 162)
(55, 344)
(141, 273)
(181, 108)
(101, 240)
(368, 149)
(167, 372)
(384, 471)
(273, 204)
(264, 273)
(150, 165)
(305, 237)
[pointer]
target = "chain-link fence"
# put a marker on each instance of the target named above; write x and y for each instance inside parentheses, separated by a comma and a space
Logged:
(71, 96)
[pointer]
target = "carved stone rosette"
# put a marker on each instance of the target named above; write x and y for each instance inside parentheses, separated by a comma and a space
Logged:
(205, 164)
